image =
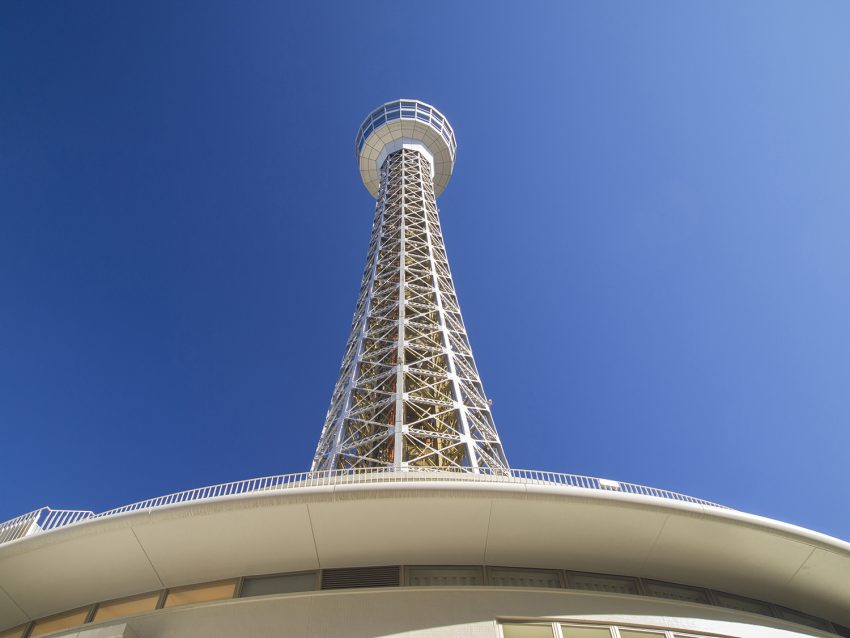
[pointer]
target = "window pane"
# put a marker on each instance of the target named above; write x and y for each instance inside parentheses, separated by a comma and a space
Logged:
(264, 585)
(126, 606)
(200, 593)
(631, 633)
(62, 621)
(527, 631)
(571, 631)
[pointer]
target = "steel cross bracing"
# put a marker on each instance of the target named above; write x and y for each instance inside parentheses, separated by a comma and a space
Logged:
(408, 392)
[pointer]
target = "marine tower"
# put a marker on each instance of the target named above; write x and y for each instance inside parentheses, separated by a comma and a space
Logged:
(409, 394)
(411, 524)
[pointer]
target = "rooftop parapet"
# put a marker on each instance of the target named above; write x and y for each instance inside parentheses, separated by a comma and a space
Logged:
(47, 519)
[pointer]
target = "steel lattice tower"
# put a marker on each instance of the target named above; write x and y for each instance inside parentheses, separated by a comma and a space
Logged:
(408, 393)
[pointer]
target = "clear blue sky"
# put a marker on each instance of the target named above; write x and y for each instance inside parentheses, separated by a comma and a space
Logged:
(648, 224)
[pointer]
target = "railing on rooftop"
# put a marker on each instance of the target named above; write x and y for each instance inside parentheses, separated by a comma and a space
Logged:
(46, 519)
(40, 520)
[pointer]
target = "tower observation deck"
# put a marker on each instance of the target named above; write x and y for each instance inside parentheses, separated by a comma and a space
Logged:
(408, 393)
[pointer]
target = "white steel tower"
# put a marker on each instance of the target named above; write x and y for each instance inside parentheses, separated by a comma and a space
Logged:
(408, 393)
(382, 539)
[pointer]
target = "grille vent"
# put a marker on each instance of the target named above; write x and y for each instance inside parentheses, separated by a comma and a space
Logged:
(676, 592)
(743, 604)
(841, 630)
(598, 582)
(523, 578)
(802, 619)
(445, 576)
(361, 577)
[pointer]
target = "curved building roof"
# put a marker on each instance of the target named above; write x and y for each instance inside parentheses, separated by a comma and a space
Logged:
(423, 519)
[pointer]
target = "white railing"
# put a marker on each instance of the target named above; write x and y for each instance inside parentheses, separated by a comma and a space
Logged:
(46, 519)
(40, 520)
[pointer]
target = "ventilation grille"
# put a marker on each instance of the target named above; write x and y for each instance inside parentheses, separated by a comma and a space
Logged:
(743, 604)
(676, 592)
(803, 619)
(610, 584)
(523, 578)
(445, 576)
(361, 577)
(841, 630)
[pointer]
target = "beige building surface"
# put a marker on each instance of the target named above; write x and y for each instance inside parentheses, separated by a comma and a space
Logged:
(426, 555)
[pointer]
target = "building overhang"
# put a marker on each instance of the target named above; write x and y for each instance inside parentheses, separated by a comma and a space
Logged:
(424, 522)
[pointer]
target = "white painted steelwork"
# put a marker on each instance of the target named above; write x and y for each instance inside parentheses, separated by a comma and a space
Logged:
(46, 519)
(409, 393)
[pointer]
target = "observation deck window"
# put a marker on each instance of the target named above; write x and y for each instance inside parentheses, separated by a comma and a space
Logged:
(283, 584)
(59, 622)
(424, 576)
(204, 593)
(126, 606)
